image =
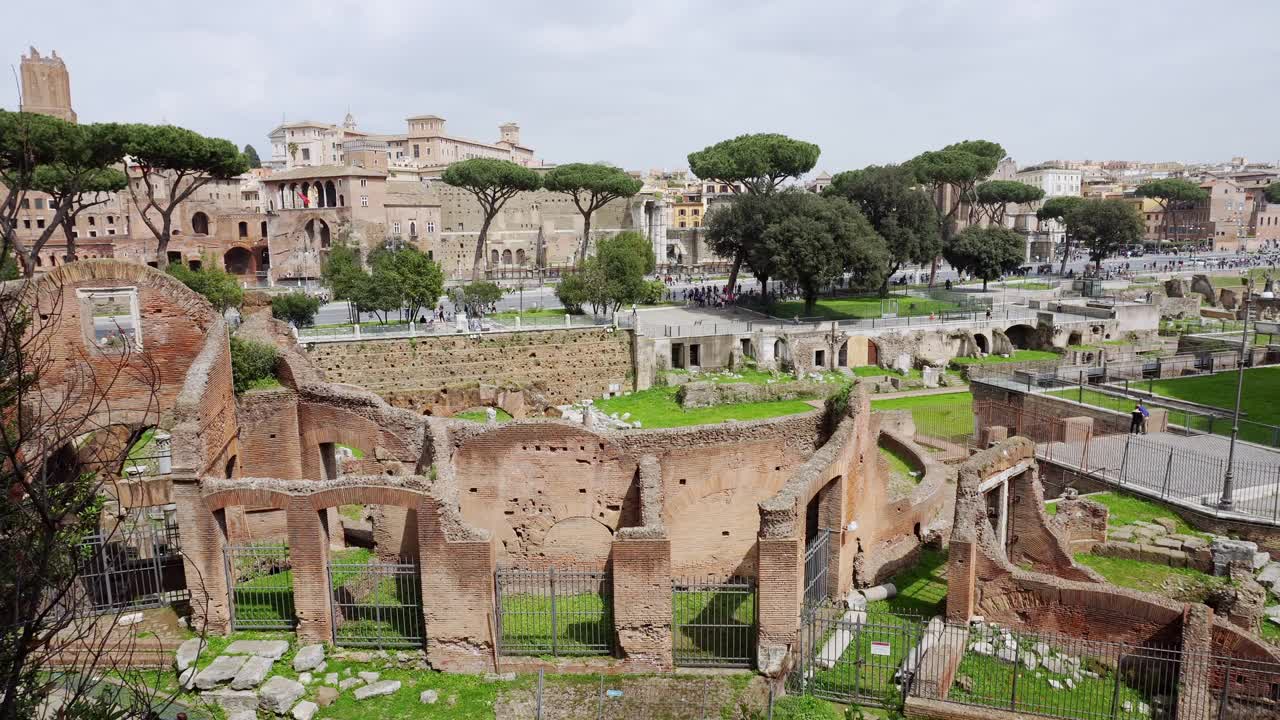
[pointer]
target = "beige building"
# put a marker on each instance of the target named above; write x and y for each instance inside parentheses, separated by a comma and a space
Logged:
(46, 86)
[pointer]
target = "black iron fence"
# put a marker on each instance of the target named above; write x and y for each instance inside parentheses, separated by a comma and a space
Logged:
(817, 560)
(260, 584)
(134, 564)
(848, 656)
(713, 622)
(377, 604)
(554, 612)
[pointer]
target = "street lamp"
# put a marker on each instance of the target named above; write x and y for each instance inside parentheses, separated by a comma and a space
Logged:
(1228, 481)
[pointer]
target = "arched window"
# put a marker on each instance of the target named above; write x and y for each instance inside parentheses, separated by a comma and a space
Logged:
(413, 229)
(331, 194)
(506, 257)
(493, 257)
(264, 228)
(200, 224)
(244, 229)
(342, 201)
(520, 257)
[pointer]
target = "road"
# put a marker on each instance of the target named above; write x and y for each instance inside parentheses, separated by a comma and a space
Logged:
(544, 296)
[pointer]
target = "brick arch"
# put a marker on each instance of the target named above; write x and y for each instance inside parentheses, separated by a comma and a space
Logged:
(343, 436)
(108, 271)
(247, 497)
(369, 494)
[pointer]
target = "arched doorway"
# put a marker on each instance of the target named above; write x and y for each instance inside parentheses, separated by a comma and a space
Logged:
(331, 194)
(1021, 336)
(238, 261)
(873, 353)
(842, 355)
(1075, 338)
(200, 224)
(981, 341)
(317, 230)
(781, 353)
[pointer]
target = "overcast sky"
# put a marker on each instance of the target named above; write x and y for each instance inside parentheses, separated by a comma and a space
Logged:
(641, 84)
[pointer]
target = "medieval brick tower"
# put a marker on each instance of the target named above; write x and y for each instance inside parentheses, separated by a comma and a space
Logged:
(46, 86)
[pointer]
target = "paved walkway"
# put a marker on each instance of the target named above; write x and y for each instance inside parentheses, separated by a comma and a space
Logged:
(1188, 469)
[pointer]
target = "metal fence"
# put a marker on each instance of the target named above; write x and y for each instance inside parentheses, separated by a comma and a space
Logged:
(713, 622)
(849, 657)
(504, 323)
(817, 561)
(1049, 675)
(554, 612)
(135, 564)
(377, 604)
(260, 581)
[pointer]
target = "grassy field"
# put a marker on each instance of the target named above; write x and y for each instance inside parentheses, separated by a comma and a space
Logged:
(1126, 509)
(657, 408)
(992, 683)
(1182, 584)
(902, 467)
(922, 589)
(479, 415)
(941, 415)
(584, 624)
(1017, 356)
(862, 307)
(709, 624)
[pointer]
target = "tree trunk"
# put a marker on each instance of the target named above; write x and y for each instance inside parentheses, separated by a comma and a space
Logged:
(810, 301)
(1066, 253)
(984, 284)
(586, 238)
(162, 246)
(884, 286)
(70, 234)
(480, 240)
(733, 271)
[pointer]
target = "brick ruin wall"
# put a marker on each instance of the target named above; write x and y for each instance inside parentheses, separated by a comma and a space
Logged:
(567, 365)
(555, 493)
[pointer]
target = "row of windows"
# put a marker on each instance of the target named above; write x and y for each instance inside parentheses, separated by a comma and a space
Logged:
(413, 228)
(695, 212)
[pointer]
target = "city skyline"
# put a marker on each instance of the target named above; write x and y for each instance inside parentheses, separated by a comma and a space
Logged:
(590, 83)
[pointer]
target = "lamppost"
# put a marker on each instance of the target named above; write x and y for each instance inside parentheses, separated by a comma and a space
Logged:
(1228, 480)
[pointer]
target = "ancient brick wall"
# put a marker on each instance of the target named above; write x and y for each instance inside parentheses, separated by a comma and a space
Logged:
(570, 364)
(269, 434)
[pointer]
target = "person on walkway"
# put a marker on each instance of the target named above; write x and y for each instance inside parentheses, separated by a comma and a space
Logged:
(1145, 414)
(1135, 420)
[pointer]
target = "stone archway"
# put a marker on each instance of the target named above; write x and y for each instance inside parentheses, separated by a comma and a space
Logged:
(1021, 336)
(842, 355)
(981, 341)
(873, 352)
(239, 261)
(200, 224)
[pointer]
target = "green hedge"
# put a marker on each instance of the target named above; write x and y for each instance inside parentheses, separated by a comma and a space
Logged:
(253, 364)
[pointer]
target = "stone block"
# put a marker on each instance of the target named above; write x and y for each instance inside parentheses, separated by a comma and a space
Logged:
(304, 710)
(252, 673)
(369, 677)
(382, 687)
(188, 652)
(274, 649)
(1168, 542)
(349, 683)
(279, 694)
(233, 701)
(222, 669)
(428, 697)
(308, 657)
(326, 696)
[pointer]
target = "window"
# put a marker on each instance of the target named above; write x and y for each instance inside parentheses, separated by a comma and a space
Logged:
(682, 223)
(26, 203)
(93, 233)
(364, 201)
(109, 318)
(111, 219)
(395, 228)
(695, 211)
(244, 229)
(306, 153)
(416, 151)
(111, 231)
(26, 223)
(364, 182)
(682, 211)
(40, 222)
(431, 227)
(39, 203)
(413, 229)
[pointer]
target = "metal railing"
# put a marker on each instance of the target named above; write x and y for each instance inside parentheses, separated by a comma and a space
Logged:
(554, 612)
(850, 657)
(135, 565)
(374, 331)
(377, 604)
(817, 561)
(713, 622)
(260, 581)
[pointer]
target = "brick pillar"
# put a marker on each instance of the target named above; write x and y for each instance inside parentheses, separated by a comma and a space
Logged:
(457, 591)
(993, 434)
(642, 600)
(1077, 429)
(309, 557)
(237, 524)
(779, 594)
(1195, 692)
(961, 580)
(203, 537)
(831, 516)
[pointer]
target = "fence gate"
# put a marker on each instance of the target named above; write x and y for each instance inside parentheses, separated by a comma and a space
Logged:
(377, 604)
(137, 564)
(817, 557)
(554, 612)
(849, 657)
(714, 623)
(260, 583)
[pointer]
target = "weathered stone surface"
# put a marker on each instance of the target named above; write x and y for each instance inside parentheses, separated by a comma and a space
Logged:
(983, 648)
(428, 697)
(279, 694)
(1169, 524)
(306, 678)
(222, 669)
(1168, 542)
(369, 677)
(382, 687)
(274, 649)
(252, 673)
(325, 696)
(188, 652)
(349, 683)
(304, 710)
(1232, 552)
(499, 677)
(308, 657)
(331, 678)
(1269, 574)
(187, 678)
(1055, 665)
(233, 701)
(1124, 534)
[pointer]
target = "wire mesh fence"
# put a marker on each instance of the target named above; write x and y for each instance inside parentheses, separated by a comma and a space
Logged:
(713, 622)
(554, 612)
(260, 578)
(817, 561)
(377, 604)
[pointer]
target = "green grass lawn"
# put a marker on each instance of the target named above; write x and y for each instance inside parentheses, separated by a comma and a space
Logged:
(1126, 509)
(940, 415)
(902, 466)
(1026, 285)
(992, 684)
(540, 314)
(479, 415)
(857, 672)
(356, 452)
(709, 624)
(1017, 356)
(583, 624)
(922, 589)
(657, 408)
(1182, 584)
(862, 307)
